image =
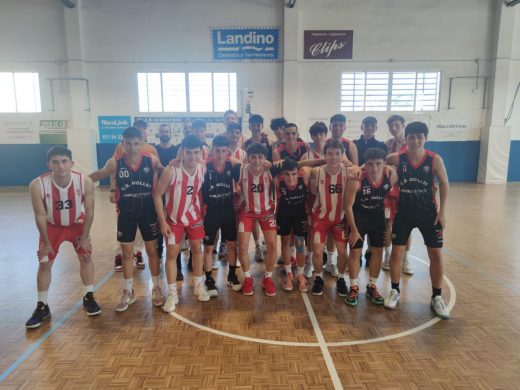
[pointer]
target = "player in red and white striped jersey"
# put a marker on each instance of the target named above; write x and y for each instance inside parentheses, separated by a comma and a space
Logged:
(63, 204)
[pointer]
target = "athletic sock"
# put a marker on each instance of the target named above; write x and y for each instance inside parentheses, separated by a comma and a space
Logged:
(388, 250)
(287, 269)
(129, 284)
(155, 281)
(406, 254)
(42, 296)
(436, 291)
(320, 274)
(300, 270)
(88, 288)
(172, 288)
(354, 282)
(372, 281)
(341, 276)
(247, 274)
(232, 269)
(332, 257)
(395, 286)
(198, 280)
(268, 274)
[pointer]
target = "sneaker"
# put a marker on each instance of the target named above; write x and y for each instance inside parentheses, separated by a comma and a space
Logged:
(263, 247)
(302, 283)
(317, 288)
(439, 307)
(352, 297)
(368, 255)
(386, 263)
(138, 259)
(341, 287)
(374, 296)
(247, 287)
(90, 304)
(157, 296)
(259, 253)
(233, 282)
(222, 250)
(118, 263)
(201, 293)
(127, 299)
(288, 282)
(392, 300)
(269, 287)
(308, 270)
(211, 287)
(171, 300)
(407, 267)
(331, 269)
(40, 314)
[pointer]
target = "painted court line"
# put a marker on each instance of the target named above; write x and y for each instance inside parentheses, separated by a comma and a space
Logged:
(49, 332)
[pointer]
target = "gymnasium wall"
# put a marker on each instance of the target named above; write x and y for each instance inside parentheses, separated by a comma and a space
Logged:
(123, 37)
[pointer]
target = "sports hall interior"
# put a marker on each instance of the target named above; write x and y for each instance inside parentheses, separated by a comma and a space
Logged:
(72, 71)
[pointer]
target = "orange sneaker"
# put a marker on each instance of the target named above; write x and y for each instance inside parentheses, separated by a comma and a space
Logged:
(302, 283)
(288, 283)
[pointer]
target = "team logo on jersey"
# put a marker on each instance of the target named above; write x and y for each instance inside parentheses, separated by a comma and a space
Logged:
(146, 169)
(404, 167)
(228, 173)
(385, 187)
(426, 169)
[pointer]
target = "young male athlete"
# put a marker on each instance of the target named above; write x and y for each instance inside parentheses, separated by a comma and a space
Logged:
(63, 204)
(291, 148)
(135, 173)
(234, 135)
(198, 128)
(364, 208)
(182, 183)
(417, 208)
(277, 125)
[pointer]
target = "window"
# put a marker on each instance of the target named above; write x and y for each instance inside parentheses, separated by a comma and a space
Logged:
(390, 91)
(192, 92)
(19, 92)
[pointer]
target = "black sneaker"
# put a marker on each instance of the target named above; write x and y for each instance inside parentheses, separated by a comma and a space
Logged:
(368, 255)
(180, 276)
(139, 262)
(211, 287)
(40, 314)
(317, 288)
(233, 282)
(118, 263)
(90, 304)
(341, 287)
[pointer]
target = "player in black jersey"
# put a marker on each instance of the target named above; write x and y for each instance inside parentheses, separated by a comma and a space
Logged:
(364, 209)
(291, 148)
(217, 194)
(291, 217)
(417, 208)
(135, 173)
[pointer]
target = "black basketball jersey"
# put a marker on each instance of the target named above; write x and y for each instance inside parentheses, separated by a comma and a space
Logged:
(264, 140)
(297, 155)
(416, 183)
(370, 196)
(134, 186)
(291, 197)
(217, 188)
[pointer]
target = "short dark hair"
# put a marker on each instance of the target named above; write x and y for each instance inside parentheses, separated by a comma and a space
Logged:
(233, 126)
(140, 124)
(394, 118)
(191, 141)
(318, 128)
(132, 132)
(230, 112)
(416, 128)
(58, 150)
(289, 165)
(165, 125)
(291, 125)
(333, 144)
(369, 120)
(278, 122)
(256, 149)
(255, 118)
(220, 140)
(338, 118)
(198, 123)
(375, 154)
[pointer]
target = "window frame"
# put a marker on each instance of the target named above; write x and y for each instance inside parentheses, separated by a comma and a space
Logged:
(35, 93)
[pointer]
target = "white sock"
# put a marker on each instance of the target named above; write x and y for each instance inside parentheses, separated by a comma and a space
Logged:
(388, 250)
(332, 257)
(247, 274)
(341, 276)
(155, 280)
(372, 281)
(129, 284)
(198, 280)
(354, 282)
(270, 274)
(406, 253)
(88, 288)
(42, 296)
(172, 288)
(320, 274)
(287, 268)
(300, 270)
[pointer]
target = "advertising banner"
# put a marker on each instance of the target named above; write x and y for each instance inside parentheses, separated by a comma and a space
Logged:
(246, 44)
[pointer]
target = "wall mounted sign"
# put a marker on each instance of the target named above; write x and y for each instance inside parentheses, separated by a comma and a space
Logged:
(111, 128)
(327, 44)
(246, 44)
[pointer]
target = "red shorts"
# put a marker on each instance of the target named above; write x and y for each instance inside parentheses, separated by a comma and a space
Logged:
(246, 221)
(391, 207)
(194, 231)
(320, 228)
(58, 234)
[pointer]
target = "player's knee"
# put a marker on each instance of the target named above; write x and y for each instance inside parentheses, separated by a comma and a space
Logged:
(299, 242)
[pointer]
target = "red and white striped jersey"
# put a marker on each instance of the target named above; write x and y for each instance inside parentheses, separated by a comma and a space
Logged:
(239, 154)
(313, 155)
(328, 204)
(183, 197)
(256, 191)
(64, 205)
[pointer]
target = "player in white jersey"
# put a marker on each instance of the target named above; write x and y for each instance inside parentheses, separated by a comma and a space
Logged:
(63, 204)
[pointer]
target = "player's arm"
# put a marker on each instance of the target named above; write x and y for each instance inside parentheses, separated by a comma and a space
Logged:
(156, 165)
(159, 188)
(392, 159)
(88, 203)
(353, 153)
(391, 173)
(313, 183)
(276, 155)
(306, 174)
(40, 217)
(107, 170)
(235, 161)
(440, 171)
(350, 198)
(311, 163)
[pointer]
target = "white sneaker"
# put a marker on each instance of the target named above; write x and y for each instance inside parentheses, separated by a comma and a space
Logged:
(386, 263)
(259, 253)
(308, 270)
(407, 267)
(127, 299)
(201, 293)
(171, 301)
(157, 296)
(439, 307)
(331, 269)
(263, 247)
(392, 300)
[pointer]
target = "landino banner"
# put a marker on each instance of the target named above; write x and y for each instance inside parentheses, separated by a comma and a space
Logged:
(327, 44)
(246, 44)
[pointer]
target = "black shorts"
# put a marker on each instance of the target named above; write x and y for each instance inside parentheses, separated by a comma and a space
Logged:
(405, 221)
(128, 221)
(373, 225)
(292, 219)
(223, 218)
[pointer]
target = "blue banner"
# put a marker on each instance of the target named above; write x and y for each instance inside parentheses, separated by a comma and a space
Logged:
(111, 128)
(246, 44)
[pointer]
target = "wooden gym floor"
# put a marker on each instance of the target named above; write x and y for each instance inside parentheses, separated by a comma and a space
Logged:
(293, 340)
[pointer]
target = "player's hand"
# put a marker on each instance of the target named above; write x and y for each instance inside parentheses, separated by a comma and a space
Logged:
(277, 164)
(45, 250)
(440, 219)
(176, 162)
(391, 173)
(85, 244)
(354, 237)
(267, 164)
(112, 197)
(354, 172)
(165, 229)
